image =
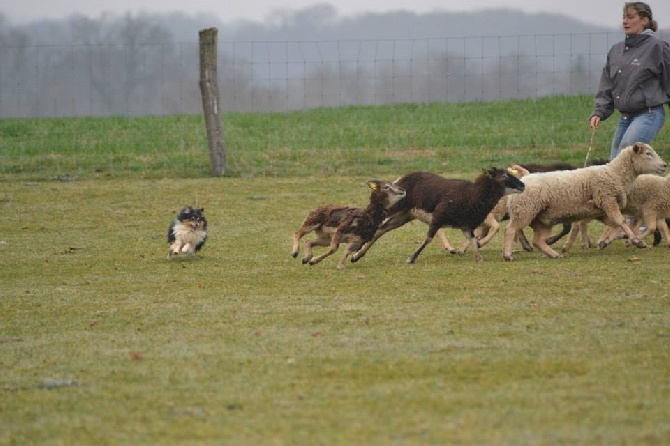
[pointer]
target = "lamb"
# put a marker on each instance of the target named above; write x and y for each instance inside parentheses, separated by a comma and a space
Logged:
(649, 202)
(341, 224)
(573, 195)
(441, 202)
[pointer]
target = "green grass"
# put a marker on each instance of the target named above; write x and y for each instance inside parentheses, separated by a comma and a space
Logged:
(349, 141)
(105, 341)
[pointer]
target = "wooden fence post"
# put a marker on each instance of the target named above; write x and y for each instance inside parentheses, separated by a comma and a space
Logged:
(209, 90)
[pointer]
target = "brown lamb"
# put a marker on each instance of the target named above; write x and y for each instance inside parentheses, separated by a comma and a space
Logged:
(335, 224)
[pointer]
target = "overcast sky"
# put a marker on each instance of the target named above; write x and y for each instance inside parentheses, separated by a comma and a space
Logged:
(601, 12)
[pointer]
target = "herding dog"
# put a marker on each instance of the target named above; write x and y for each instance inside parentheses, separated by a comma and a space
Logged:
(188, 231)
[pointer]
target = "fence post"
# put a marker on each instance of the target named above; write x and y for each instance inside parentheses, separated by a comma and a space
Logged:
(209, 90)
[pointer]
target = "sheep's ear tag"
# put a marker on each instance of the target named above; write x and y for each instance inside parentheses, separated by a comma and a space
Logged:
(372, 185)
(512, 171)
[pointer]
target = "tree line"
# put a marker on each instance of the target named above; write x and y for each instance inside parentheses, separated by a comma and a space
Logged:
(133, 65)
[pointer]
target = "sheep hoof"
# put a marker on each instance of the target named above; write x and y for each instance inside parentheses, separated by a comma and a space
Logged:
(461, 253)
(508, 258)
(639, 243)
(411, 260)
(305, 261)
(453, 251)
(354, 259)
(294, 254)
(602, 245)
(657, 238)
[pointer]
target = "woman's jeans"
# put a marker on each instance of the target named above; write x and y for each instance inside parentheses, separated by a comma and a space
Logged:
(641, 127)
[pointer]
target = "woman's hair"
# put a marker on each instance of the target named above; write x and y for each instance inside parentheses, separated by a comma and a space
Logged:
(643, 10)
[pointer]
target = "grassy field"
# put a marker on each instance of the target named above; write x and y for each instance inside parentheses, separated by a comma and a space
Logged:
(360, 141)
(105, 341)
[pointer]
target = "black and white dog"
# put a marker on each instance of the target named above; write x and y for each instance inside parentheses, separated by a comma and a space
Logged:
(187, 232)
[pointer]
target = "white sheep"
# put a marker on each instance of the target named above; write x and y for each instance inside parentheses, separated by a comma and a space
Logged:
(491, 225)
(580, 194)
(649, 203)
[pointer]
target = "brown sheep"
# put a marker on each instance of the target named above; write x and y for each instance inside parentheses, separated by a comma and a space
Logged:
(441, 202)
(335, 224)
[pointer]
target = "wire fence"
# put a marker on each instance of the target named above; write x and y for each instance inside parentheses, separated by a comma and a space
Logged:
(259, 82)
(162, 79)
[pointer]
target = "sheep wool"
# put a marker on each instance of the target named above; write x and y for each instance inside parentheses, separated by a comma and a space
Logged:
(648, 202)
(573, 195)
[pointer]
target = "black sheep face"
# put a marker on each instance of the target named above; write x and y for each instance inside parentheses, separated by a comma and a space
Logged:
(512, 184)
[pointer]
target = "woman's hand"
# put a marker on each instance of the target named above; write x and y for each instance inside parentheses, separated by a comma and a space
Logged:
(594, 121)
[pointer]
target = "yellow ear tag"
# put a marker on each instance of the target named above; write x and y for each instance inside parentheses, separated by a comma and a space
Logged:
(372, 186)
(512, 171)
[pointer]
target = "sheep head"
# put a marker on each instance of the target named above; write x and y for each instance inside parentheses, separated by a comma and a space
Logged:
(512, 184)
(386, 192)
(646, 159)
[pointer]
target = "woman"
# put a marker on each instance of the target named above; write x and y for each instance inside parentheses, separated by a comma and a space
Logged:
(635, 80)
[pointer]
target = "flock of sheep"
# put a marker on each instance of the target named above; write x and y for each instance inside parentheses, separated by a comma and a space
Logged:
(628, 186)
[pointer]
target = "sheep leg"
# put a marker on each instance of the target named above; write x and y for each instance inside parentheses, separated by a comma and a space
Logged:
(650, 221)
(567, 227)
(635, 227)
(445, 241)
(488, 229)
(614, 215)
(350, 249)
(432, 230)
(608, 236)
(390, 224)
(469, 234)
(493, 228)
(322, 239)
(663, 229)
(412, 259)
(524, 241)
(567, 246)
(508, 241)
(658, 235)
(580, 228)
(299, 234)
(332, 247)
(540, 234)
(584, 230)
